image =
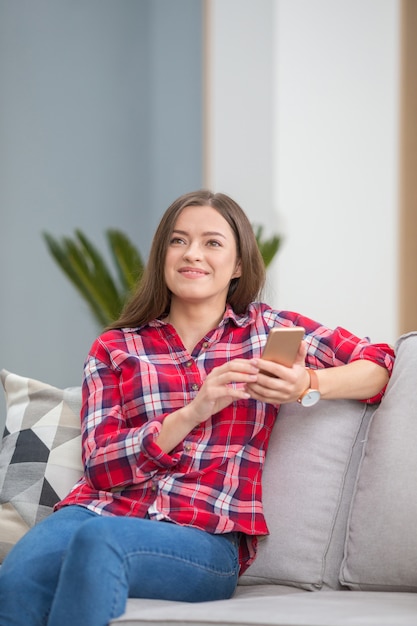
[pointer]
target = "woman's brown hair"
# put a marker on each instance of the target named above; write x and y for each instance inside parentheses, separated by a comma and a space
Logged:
(151, 298)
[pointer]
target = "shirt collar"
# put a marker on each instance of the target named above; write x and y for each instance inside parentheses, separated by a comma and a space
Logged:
(240, 320)
(229, 314)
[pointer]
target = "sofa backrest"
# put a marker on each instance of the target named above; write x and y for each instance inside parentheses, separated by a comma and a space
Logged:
(308, 482)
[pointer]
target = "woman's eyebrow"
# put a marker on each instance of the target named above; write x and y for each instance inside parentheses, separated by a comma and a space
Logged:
(207, 233)
(213, 233)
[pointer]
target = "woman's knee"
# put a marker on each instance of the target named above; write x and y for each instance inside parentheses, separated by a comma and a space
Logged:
(93, 543)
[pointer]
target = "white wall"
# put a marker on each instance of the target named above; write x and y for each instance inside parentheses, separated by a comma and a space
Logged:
(331, 135)
(336, 138)
(240, 105)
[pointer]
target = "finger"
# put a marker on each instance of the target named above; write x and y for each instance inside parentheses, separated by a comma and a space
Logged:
(269, 368)
(300, 359)
(267, 385)
(238, 373)
(271, 396)
(240, 365)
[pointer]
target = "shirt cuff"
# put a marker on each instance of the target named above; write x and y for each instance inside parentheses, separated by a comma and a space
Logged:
(154, 456)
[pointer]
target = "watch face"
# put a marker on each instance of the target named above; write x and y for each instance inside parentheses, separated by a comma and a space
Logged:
(311, 397)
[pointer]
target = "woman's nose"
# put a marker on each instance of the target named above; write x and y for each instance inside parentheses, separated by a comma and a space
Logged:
(193, 251)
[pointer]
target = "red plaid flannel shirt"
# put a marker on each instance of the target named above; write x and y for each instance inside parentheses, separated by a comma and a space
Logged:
(134, 377)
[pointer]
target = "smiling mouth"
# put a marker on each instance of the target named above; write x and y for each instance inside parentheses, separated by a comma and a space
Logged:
(192, 273)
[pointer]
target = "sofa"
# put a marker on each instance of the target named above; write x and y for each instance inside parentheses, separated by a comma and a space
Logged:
(340, 495)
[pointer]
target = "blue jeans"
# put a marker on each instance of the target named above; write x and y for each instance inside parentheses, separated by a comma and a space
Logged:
(77, 567)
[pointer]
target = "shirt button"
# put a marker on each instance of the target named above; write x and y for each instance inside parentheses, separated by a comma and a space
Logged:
(187, 447)
(195, 387)
(153, 488)
(188, 364)
(205, 345)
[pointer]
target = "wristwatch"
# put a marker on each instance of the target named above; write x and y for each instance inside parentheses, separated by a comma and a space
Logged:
(311, 395)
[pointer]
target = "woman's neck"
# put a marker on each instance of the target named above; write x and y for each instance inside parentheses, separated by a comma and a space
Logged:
(193, 323)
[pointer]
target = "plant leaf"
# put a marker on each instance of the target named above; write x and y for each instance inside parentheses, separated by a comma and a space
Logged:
(267, 247)
(96, 276)
(127, 259)
(63, 252)
(88, 272)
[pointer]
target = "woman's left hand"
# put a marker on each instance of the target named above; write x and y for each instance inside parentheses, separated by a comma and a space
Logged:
(280, 384)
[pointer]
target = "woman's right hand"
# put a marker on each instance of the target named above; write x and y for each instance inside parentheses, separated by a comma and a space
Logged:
(224, 385)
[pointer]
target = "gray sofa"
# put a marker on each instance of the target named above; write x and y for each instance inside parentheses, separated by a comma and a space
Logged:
(340, 493)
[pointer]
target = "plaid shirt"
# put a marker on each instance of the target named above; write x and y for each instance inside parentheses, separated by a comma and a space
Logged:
(134, 377)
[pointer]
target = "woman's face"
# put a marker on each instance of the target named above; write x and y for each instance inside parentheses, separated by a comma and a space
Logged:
(201, 258)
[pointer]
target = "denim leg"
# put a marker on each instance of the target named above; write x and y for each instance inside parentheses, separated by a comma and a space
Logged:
(29, 574)
(113, 558)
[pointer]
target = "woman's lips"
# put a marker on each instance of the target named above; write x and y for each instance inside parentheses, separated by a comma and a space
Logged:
(192, 272)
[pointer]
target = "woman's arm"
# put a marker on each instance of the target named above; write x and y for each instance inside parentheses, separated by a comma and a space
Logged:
(117, 452)
(361, 379)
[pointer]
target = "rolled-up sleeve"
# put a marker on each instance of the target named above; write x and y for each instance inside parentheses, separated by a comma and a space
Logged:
(117, 455)
(329, 347)
(152, 455)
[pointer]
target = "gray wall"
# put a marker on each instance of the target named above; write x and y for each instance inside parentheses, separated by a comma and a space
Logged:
(100, 126)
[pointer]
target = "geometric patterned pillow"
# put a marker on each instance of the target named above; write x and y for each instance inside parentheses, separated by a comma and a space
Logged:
(40, 455)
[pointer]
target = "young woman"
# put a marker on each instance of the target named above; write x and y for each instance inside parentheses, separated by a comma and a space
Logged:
(176, 418)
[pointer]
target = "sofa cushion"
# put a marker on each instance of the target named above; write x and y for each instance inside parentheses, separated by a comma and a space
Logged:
(308, 481)
(381, 546)
(40, 457)
(277, 607)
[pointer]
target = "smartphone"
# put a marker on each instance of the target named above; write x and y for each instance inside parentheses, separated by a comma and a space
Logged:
(282, 345)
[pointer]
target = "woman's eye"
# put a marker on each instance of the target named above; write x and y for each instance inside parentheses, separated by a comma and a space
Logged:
(214, 243)
(176, 240)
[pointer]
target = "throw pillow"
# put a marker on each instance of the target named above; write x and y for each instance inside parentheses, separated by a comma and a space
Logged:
(40, 457)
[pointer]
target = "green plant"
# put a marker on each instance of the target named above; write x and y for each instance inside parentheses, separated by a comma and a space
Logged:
(104, 289)
(267, 247)
(104, 292)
